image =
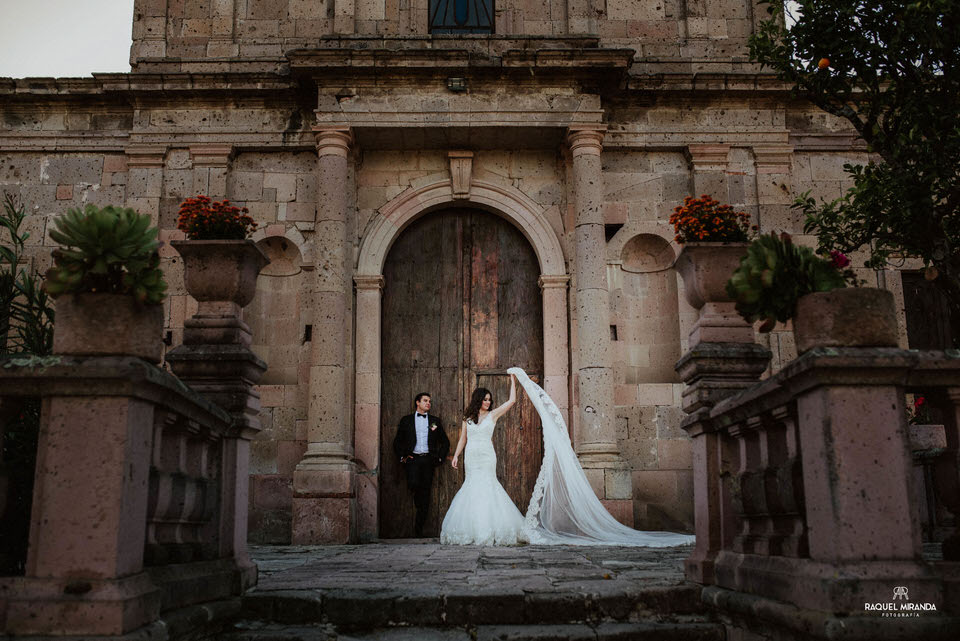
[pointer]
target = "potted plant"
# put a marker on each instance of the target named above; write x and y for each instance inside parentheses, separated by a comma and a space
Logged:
(714, 239)
(108, 284)
(779, 280)
(220, 263)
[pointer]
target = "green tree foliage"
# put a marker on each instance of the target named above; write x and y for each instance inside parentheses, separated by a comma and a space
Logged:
(26, 315)
(892, 69)
(26, 327)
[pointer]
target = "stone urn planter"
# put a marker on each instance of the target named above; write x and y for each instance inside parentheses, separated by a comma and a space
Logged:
(846, 317)
(221, 270)
(93, 324)
(706, 268)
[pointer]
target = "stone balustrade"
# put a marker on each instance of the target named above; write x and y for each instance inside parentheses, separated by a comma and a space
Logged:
(129, 517)
(807, 508)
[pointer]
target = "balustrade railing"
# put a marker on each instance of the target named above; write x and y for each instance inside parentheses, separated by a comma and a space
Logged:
(808, 496)
(129, 517)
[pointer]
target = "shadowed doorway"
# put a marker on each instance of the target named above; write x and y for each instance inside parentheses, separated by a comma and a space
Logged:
(461, 304)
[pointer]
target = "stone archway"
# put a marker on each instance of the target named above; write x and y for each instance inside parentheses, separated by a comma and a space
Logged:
(381, 233)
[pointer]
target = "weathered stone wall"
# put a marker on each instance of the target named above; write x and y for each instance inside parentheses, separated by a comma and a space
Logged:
(149, 140)
(711, 31)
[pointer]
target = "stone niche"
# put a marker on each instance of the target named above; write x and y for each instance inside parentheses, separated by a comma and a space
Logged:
(646, 303)
(278, 329)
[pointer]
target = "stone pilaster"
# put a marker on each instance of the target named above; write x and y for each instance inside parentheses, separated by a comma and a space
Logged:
(369, 290)
(324, 483)
(145, 179)
(210, 169)
(344, 21)
(708, 164)
(221, 44)
(597, 443)
(556, 344)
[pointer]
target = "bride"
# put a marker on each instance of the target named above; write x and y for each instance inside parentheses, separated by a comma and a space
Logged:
(564, 510)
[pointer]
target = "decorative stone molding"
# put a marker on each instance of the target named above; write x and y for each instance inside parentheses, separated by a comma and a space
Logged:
(368, 282)
(333, 140)
(554, 282)
(512, 203)
(461, 173)
(774, 159)
(708, 157)
(145, 157)
(211, 155)
(586, 139)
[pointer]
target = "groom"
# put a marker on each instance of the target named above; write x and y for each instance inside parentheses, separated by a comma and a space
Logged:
(421, 444)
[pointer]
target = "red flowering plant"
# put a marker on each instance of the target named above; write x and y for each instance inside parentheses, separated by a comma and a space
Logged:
(704, 219)
(919, 414)
(203, 219)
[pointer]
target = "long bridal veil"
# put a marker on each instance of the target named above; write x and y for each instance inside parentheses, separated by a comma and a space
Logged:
(564, 510)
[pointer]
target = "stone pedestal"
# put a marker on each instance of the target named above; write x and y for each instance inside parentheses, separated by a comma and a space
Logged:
(215, 360)
(324, 483)
(597, 444)
(78, 544)
(722, 360)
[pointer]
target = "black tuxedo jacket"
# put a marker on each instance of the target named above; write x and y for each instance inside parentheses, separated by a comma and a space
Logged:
(406, 439)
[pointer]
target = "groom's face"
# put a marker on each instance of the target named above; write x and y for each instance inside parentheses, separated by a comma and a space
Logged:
(423, 405)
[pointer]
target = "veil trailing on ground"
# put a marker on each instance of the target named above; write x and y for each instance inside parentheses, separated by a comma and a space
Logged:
(564, 510)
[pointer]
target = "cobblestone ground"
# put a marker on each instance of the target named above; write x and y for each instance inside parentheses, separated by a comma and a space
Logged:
(420, 567)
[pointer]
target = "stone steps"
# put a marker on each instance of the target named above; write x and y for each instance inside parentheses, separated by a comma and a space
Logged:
(667, 613)
(690, 631)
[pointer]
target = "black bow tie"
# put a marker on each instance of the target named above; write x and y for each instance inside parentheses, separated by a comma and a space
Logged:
(423, 415)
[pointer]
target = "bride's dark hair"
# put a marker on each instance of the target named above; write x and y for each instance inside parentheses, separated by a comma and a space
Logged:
(472, 412)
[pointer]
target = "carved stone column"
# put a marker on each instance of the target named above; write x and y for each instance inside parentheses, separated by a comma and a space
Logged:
(597, 443)
(324, 483)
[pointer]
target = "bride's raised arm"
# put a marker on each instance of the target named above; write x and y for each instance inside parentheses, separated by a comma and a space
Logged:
(500, 411)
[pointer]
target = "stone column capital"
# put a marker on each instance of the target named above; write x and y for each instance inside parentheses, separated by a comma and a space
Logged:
(368, 282)
(143, 156)
(586, 140)
(211, 155)
(333, 140)
(708, 157)
(554, 281)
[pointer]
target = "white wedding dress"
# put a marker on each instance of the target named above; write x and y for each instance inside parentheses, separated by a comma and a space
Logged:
(564, 510)
(482, 513)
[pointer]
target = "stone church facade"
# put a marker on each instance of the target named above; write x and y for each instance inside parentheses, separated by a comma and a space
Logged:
(443, 191)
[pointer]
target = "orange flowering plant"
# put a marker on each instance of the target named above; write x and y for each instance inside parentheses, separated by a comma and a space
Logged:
(704, 219)
(203, 219)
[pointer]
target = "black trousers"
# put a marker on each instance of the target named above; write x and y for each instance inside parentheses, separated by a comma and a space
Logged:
(419, 479)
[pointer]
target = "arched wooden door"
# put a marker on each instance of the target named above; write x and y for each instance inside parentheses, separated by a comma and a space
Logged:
(461, 304)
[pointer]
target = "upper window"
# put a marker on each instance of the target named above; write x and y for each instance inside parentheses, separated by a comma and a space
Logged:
(461, 16)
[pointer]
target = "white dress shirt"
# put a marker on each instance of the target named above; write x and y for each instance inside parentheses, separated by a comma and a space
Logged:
(422, 424)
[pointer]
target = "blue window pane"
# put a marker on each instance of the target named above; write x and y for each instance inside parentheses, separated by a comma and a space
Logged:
(461, 16)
